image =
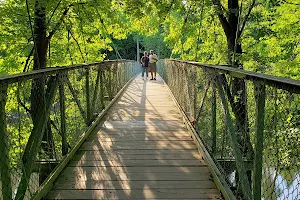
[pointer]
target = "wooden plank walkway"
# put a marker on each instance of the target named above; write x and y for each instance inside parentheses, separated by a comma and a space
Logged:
(141, 150)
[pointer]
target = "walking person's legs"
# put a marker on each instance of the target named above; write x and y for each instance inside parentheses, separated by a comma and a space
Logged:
(151, 68)
(147, 71)
(143, 71)
(154, 70)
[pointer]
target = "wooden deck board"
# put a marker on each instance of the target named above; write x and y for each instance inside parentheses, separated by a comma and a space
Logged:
(120, 162)
(141, 143)
(170, 156)
(134, 176)
(112, 133)
(154, 169)
(118, 185)
(142, 138)
(145, 193)
(141, 150)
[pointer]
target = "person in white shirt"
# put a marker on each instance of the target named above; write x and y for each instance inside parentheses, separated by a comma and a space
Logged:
(152, 62)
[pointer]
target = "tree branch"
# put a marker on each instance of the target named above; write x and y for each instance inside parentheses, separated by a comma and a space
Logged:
(23, 105)
(103, 25)
(59, 132)
(169, 9)
(62, 17)
(219, 6)
(28, 59)
(291, 3)
(246, 19)
(224, 22)
(77, 44)
(54, 11)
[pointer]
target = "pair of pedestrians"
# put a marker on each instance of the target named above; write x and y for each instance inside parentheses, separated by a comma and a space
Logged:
(149, 62)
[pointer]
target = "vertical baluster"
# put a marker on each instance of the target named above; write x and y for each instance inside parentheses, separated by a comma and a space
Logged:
(63, 115)
(87, 90)
(214, 120)
(96, 90)
(195, 89)
(260, 96)
(109, 71)
(4, 159)
(101, 89)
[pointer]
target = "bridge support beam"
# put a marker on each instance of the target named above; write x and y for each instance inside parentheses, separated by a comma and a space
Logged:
(260, 97)
(96, 90)
(214, 121)
(88, 102)
(62, 106)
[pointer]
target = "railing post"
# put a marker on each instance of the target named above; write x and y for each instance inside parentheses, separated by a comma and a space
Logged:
(62, 106)
(195, 90)
(101, 89)
(95, 96)
(260, 96)
(214, 120)
(4, 159)
(87, 90)
(109, 88)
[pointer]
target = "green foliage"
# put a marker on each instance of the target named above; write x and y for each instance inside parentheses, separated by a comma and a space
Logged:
(191, 30)
(95, 30)
(272, 41)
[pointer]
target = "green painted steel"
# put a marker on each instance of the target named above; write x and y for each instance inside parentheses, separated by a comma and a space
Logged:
(260, 96)
(87, 96)
(216, 174)
(47, 185)
(74, 94)
(246, 187)
(215, 128)
(4, 159)
(35, 139)
(62, 105)
(254, 136)
(96, 90)
(214, 121)
(64, 114)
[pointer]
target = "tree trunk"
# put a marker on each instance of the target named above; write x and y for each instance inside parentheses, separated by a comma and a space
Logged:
(40, 56)
(38, 91)
(237, 95)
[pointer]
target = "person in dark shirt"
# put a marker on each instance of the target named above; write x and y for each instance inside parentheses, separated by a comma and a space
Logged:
(145, 64)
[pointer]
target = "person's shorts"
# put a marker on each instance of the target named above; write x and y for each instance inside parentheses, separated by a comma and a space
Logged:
(152, 67)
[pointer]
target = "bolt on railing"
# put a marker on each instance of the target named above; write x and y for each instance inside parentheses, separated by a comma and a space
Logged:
(248, 123)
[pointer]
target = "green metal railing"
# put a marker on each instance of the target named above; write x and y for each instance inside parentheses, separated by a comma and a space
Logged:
(44, 114)
(247, 123)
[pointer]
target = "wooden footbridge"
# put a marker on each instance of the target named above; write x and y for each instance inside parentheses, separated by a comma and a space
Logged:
(141, 150)
(100, 131)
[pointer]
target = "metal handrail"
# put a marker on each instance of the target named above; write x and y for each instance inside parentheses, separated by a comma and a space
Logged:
(276, 81)
(241, 115)
(51, 70)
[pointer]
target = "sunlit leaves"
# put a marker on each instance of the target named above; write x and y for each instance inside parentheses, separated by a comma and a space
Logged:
(271, 41)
